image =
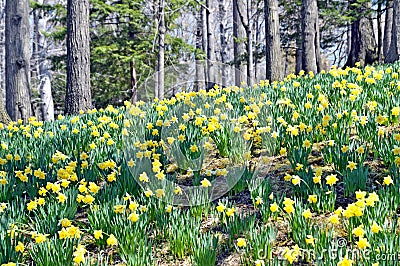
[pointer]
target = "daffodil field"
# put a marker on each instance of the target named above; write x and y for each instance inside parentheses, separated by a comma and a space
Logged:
(302, 171)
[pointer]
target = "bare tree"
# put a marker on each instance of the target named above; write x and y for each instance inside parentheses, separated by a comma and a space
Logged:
(78, 96)
(273, 47)
(394, 50)
(244, 9)
(18, 99)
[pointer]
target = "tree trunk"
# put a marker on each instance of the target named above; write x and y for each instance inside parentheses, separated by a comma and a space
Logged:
(249, 34)
(379, 22)
(299, 47)
(161, 49)
(348, 34)
(394, 50)
(257, 43)
(46, 98)
(236, 42)
(133, 82)
(286, 70)
(35, 47)
(310, 18)
(200, 79)
(318, 45)
(387, 36)
(273, 46)
(4, 117)
(47, 104)
(210, 45)
(224, 43)
(17, 36)
(363, 44)
(132, 69)
(78, 95)
(2, 50)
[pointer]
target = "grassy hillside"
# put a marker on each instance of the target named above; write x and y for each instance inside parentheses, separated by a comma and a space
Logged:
(312, 165)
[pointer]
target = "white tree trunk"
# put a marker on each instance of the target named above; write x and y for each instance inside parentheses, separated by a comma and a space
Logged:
(46, 97)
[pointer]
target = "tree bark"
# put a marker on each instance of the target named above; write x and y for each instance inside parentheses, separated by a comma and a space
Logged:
(273, 46)
(249, 34)
(236, 42)
(35, 46)
(363, 44)
(200, 79)
(161, 49)
(133, 77)
(210, 45)
(318, 45)
(78, 95)
(299, 47)
(17, 36)
(394, 50)
(47, 103)
(2, 50)
(4, 117)
(224, 43)
(387, 36)
(379, 22)
(309, 33)
(134, 95)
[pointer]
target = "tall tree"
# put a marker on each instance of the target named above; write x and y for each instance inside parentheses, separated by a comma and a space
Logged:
(309, 35)
(237, 43)
(224, 43)
(161, 48)
(379, 14)
(200, 46)
(363, 45)
(78, 95)
(387, 34)
(18, 99)
(249, 36)
(246, 19)
(394, 50)
(2, 50)
(210, 44)
(46, 97)
(273, 49)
